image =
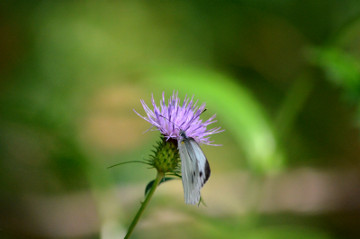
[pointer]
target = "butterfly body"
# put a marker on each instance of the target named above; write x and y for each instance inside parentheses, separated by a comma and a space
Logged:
(195, 168)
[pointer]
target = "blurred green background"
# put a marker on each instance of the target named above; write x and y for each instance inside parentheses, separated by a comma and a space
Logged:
(283, 78)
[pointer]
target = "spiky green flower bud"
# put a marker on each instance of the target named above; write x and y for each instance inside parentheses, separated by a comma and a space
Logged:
(166, 157)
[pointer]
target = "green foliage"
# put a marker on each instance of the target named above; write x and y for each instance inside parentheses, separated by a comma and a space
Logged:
(150, 184)
(342, 68)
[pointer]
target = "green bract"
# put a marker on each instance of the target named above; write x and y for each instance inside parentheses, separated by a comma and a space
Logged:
(165, 157)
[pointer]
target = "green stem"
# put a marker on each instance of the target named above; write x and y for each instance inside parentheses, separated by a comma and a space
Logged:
(159, 176)
(292, 106)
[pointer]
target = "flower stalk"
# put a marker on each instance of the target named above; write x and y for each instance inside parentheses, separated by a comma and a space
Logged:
(148, 197)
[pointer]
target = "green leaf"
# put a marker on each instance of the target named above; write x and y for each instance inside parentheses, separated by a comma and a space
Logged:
(340, 66)
(150, 184)
(134, 161)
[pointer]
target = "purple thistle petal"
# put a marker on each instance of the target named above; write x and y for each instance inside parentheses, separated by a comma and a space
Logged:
(172, 117)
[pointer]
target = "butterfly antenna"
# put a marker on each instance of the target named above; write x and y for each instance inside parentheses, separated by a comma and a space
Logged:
(149, 129)
(171, 122)
(176, 124)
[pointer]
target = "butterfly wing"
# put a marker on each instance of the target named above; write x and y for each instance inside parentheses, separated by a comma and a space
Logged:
(195, 169)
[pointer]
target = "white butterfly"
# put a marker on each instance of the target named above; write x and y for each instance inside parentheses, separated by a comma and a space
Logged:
(195, 168)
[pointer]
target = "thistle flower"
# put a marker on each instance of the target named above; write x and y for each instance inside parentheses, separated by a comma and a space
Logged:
(172, 118)
(181, 123)
(182, 131)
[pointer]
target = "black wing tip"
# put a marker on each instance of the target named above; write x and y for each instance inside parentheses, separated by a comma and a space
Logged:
(207, 171)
